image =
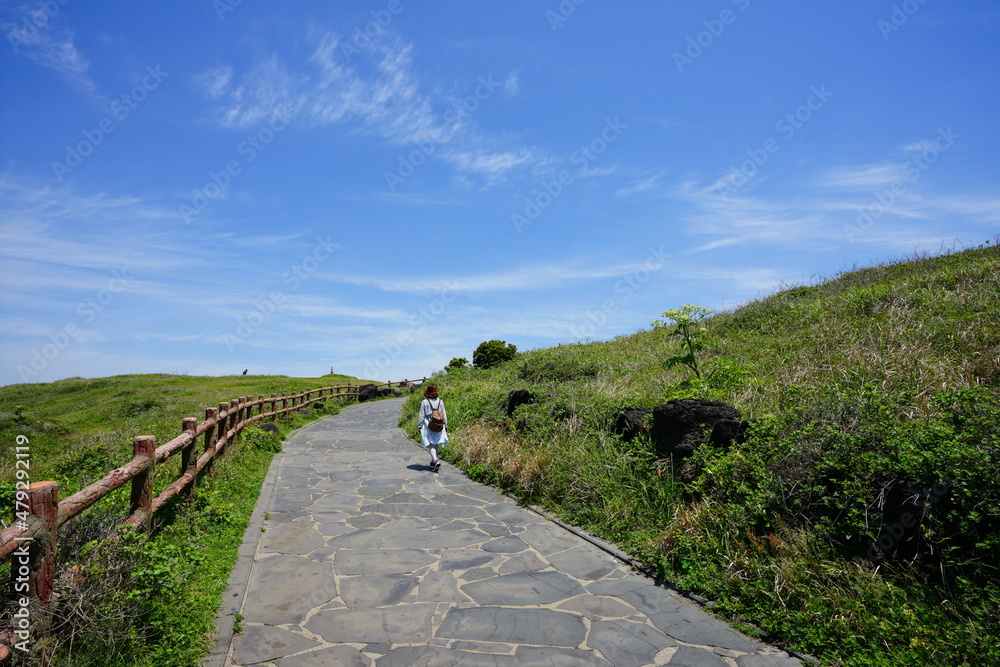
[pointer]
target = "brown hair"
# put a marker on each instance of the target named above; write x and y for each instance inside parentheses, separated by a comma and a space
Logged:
(431, 391)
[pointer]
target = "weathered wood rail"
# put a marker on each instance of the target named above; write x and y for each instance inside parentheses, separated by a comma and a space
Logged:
(31, 541)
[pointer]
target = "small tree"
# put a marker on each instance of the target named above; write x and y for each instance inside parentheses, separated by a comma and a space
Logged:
(686, 326)
(493, 352)
(457, 362)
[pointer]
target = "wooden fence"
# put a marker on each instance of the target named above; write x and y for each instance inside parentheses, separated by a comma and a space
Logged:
(31, 541)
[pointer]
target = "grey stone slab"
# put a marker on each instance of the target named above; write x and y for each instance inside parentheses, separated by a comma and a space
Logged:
(292, 538)
(260, 643)
(440, 587)
(406, 498)
(483, 647)
(399, 539)
(494, 529)
(331, 656)
(627, 644)
(689, 656)
(596, 607)
(377, 561)
(767, 660)
(403, 624)
(477, 491)
(437, 656)
(584, 562)
(523, 589)
(344, 475)
(704, 630)
(536, 656)
(455, 499)
(464, 559)
(428, 510)
(505, 545)
(541, 627)
(512, 515)
(284, 588)
(527, 561)
(337, 501)
(368, 520)
(478, 573)
(285, 500)
(548, 538)
(375, 590)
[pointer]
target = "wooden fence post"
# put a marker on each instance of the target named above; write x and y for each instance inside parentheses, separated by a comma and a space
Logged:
(35, 560)
(284, 401)
(260, 407)
(274, 406)
(211, 416)
(225, 423)
(189, 456)
(143, 446)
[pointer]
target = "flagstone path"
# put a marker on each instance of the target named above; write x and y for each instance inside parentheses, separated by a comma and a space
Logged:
(367, 558)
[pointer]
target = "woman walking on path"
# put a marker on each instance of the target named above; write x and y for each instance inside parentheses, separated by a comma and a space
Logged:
(432, 420)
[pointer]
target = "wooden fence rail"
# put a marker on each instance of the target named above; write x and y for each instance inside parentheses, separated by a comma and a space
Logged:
(31, 541)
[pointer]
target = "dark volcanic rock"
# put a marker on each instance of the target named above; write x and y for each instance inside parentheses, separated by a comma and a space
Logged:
(679, 425)
(629, 422)
(729, 431)
(367, 392)
(515, 399)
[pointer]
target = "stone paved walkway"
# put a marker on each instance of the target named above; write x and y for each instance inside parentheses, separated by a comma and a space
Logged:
(368, 558)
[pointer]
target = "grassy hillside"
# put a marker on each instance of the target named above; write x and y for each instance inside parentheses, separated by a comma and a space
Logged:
(880, 382)
(80, 429)
(141, 602)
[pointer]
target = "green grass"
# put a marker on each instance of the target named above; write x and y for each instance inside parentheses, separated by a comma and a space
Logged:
(143, 602)
(882, 375)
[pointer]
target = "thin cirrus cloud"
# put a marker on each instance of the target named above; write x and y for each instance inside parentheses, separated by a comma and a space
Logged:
(378, 94)
(36, 32)
(524, 278)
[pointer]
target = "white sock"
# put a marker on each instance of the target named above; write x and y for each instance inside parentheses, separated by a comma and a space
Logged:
(434, 453)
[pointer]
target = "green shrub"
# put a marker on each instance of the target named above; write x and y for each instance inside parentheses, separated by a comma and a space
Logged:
(492, 353)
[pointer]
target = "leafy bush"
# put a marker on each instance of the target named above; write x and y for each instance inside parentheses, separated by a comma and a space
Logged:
(492, 353)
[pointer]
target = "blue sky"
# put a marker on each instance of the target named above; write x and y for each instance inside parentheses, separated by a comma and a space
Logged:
(208, 186)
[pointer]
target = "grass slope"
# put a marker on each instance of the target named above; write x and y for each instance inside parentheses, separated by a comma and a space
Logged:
(881, 379)
(141, 602)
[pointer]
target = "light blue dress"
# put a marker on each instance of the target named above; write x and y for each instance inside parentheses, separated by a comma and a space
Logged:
(428, 437)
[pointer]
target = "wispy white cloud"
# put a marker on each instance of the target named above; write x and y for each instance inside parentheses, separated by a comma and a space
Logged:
(535, 277)
(644, 185)
(38, 32)
(512, 84)
(377, 93)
